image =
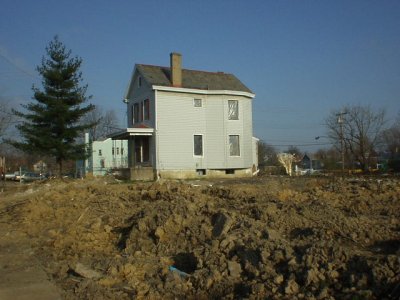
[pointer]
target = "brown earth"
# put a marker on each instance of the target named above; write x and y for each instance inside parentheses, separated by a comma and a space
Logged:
(260, 238)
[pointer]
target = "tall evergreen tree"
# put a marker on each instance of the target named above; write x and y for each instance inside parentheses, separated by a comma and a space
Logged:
(51, 124)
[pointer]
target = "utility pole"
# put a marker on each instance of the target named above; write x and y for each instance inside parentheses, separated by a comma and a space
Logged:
(340, 121)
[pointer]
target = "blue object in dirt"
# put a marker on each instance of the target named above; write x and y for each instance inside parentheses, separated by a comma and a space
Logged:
(179, 272)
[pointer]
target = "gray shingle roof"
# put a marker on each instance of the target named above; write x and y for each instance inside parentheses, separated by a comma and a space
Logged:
(191, 79)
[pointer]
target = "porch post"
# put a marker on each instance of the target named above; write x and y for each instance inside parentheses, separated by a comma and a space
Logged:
(131, 152)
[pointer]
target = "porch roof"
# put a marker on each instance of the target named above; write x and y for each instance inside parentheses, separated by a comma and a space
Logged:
(129, 132)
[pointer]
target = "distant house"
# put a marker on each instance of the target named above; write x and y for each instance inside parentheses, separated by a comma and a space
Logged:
(188, 124)
(40, 167)
(104, 156)
(308, 165)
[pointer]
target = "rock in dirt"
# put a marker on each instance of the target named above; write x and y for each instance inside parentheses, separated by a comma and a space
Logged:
(234, 269)
(85, 271)
(222, 223)
(291, 287)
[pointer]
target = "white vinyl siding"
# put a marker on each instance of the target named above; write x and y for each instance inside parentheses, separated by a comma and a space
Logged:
(178, 122)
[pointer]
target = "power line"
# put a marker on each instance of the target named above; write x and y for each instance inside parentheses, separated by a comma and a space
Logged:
(301, 145)
(16, 66)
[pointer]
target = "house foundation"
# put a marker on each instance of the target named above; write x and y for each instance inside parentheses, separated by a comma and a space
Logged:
(205, 173)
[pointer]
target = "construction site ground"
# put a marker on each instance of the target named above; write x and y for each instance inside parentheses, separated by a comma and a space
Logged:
(267, 237)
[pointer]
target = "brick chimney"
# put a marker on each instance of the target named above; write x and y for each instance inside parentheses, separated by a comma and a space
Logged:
(176, 69)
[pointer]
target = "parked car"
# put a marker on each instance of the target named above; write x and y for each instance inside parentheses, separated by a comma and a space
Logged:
(10, 176)
(17, 176)
(30, 176)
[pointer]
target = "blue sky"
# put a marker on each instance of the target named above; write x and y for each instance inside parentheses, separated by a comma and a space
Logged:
(302, 59)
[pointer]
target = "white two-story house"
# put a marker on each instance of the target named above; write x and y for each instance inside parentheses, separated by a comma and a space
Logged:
(187, 124)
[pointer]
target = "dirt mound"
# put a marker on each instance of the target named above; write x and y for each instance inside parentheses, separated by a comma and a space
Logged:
(271, 237)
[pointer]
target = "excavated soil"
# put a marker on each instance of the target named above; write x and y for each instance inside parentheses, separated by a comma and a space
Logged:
(260, 238)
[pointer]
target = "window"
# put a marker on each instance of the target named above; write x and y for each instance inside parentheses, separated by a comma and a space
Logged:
(233, 110)
(122, 151)
(99, 152)
(136, 113)
(198, 145)
(117, 151)
(141, 112)
(133, 114)
(234, 145)
(112, 151)
(197, 103)
(201, 172)
(147, 109)
(140, 81)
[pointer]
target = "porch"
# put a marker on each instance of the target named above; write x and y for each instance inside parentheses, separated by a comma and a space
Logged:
(140, 158)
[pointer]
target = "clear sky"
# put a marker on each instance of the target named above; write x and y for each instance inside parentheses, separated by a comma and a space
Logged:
(302, 59)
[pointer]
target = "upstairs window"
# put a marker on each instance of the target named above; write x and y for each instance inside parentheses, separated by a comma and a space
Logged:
(133, 114)
(141, 112)
(198, 145)
(233, 110)
(234, 145)
(99, 152)
(147, 109)
(136, 113)
(197, 103)
(139, 81)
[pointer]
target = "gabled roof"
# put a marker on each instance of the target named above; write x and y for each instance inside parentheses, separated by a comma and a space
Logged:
(160, 76)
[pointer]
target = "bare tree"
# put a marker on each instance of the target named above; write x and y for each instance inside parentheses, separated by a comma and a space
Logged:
(109, 122)
(328, 157)
(105, 122)
(391, 138)
(295, 151)
(286, 159)
(267, 155)
(6, 117)
(356, 130)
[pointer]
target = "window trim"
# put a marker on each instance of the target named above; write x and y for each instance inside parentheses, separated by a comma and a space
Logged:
(229, 144)
(202, 145)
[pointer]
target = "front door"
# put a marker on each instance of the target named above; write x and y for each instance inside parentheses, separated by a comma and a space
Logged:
(142, 150)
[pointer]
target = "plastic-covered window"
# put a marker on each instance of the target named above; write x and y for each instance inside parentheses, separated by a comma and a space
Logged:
(234, 145)
(233, 110)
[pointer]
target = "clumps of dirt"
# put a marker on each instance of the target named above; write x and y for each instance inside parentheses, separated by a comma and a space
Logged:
(271, 237)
